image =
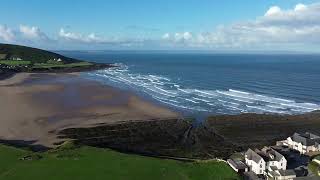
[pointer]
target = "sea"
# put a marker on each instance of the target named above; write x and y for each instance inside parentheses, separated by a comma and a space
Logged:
(204, 83)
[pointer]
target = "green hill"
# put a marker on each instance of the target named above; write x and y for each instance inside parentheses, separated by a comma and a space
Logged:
(82, 163)
(34, 55)
(16, 58)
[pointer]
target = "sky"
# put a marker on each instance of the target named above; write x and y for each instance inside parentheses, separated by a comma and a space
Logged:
(246, 25)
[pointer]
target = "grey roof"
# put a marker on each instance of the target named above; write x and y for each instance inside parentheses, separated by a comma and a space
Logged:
(251, 155)
(306, 139)
(288, 172)
(237, 164)
(273, 168)
(270, 154)
(273, 173)
(311, 136)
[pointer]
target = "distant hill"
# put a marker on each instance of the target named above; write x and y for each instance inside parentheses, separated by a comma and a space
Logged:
(16, 58)
(10, 52)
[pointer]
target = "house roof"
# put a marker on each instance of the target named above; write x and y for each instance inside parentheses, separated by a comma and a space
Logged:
(274, 173)
(273, 168)
(237, 164)
(270, 154)
(306, 139)
(251, 155)
(311, 136)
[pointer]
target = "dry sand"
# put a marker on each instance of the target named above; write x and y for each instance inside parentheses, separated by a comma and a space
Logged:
(35, 106)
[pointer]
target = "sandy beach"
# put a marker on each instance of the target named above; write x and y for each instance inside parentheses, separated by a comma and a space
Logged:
(35, 106)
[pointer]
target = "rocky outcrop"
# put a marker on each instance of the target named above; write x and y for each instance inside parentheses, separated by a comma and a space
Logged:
(171, 137)
(219, 136)
(257, 130)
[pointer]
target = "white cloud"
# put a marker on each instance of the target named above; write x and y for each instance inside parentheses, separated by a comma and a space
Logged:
(179, 37)
(6, 34)
(93, 39)
(77, 37)
(183, 36)
(299, 26)
(300, 7)
(166, 36)
(273, 11)
(32, 33)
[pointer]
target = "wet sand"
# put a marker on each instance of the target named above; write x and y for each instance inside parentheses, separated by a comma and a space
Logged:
(35, 106)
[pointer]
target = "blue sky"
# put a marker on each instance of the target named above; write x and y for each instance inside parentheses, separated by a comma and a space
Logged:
(146, 24)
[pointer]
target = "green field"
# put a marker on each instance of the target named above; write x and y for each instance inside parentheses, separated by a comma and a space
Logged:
(71, 65)
(14, 63)
(44, 65)
(88, 163)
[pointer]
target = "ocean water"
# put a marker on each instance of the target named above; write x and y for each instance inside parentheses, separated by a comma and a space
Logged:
(203, 83)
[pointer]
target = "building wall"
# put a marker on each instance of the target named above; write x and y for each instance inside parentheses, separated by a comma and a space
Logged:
(257, 168)
(301, 148)
(282, 164)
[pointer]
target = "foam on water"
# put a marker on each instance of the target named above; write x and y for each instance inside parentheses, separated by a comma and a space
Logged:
(230, 101)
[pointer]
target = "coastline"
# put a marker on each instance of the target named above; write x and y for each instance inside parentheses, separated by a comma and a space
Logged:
(37, 105)
(42, 110)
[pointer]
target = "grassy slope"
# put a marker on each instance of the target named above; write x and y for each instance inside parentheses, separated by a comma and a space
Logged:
(31, 54)
(92, 163)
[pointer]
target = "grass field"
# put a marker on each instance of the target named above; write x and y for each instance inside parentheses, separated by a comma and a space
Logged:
(44, 65)
(14, 63)
(85, 163)
(48, 65)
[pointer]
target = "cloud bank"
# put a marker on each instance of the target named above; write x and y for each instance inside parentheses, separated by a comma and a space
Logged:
(76, 37)
(32, 33)
(299, 26)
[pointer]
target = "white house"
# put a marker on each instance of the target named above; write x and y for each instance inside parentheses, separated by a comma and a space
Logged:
(273, 159)
(303, 143)
(265, 161)
(255, 162)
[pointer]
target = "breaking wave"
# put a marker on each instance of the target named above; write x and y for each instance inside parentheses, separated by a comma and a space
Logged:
(230, 101)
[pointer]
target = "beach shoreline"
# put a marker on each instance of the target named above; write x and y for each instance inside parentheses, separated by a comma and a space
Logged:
(37, 105)
(42, 111)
